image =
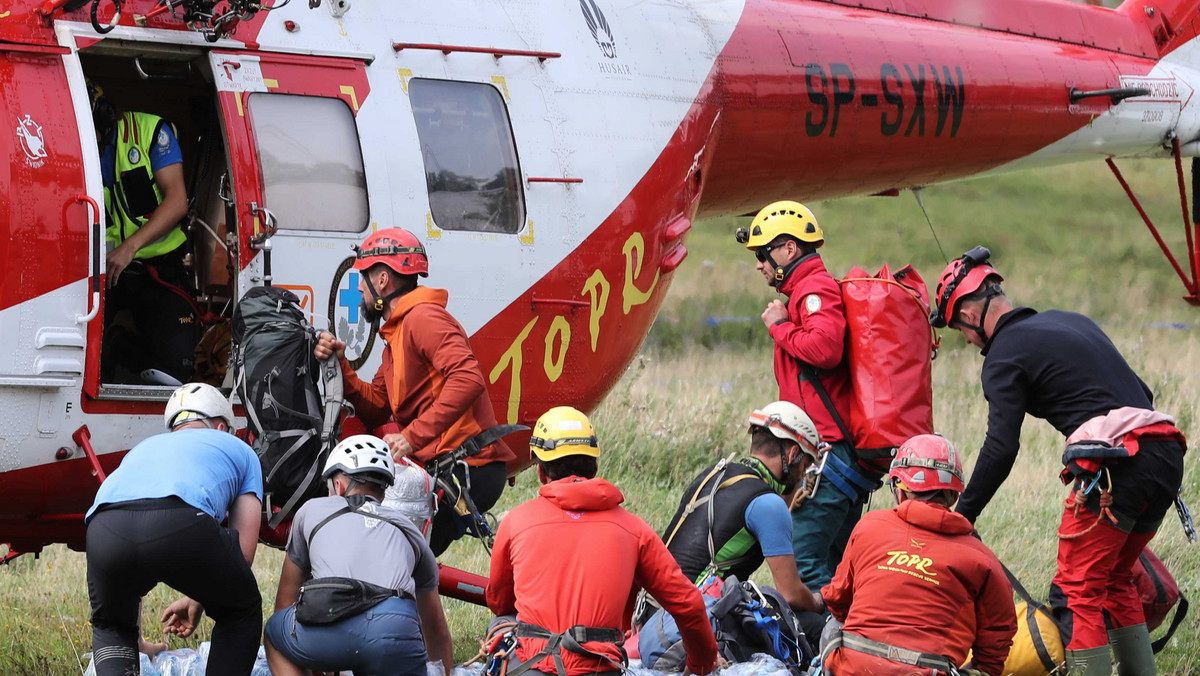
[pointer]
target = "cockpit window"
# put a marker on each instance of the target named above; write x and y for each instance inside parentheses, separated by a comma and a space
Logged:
(312, 164)
(471, 168)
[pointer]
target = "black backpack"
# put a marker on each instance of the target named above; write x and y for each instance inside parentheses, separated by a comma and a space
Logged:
(753, 619)
(275, 376)
(746, 620)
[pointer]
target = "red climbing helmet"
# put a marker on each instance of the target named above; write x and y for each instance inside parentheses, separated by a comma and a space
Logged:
(962, 277)
(928, 462)
(396, 248)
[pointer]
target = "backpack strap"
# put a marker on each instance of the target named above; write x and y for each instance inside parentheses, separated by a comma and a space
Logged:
(808, 373)
(354, 505)
(1180, 613)
(278, 517)
(694, 503)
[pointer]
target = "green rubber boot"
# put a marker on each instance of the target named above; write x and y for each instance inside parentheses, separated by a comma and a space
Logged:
(1131, 647)
(1090, 662)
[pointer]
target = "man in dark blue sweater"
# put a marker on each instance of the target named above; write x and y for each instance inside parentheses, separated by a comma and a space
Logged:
(1124, 459)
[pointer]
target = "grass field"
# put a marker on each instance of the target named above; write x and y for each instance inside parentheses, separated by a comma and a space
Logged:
(1065, 238)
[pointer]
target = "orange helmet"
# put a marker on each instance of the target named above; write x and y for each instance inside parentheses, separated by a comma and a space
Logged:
(396, 248)
(928, 462)
(962, 277)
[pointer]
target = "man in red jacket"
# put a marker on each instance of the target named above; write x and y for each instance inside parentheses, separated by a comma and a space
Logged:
(568, 564)
(809, 334)
(916, 591)
(429, 382)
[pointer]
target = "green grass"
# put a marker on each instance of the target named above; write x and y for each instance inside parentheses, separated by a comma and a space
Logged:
(1065, 238)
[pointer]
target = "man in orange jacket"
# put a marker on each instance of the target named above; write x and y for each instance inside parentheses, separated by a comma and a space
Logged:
(429, 382)
(568, 564)
(916, 591)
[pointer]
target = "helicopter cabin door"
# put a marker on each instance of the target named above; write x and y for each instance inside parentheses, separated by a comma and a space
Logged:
(299, 183)
(50, 240)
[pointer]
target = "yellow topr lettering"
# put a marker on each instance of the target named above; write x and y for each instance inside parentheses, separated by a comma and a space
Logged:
(634, 250)
(562, 329)
(903, 558)
(596, 287)
(512, 356)
(921, 566)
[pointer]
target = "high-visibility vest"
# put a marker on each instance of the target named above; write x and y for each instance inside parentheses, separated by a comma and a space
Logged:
(136, 135)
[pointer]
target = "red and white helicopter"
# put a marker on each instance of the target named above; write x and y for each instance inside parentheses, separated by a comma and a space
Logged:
(552, 155)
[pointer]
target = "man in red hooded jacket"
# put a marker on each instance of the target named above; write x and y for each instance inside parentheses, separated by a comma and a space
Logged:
(429, 382)
(916, 591)
(568, 565)
(810, 334)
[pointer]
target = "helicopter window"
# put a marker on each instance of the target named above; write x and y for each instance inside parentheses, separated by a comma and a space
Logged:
(471, 167)
(311, 162)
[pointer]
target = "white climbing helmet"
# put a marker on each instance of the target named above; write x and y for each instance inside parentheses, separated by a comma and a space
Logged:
(364, 457)
(196, 401)
(786, 420)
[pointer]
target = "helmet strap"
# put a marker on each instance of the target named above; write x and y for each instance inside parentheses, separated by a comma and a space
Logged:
(987, 304)
(373, 311)
(782, 272)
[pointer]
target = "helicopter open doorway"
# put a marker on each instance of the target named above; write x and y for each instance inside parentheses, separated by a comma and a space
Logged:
(176, 84)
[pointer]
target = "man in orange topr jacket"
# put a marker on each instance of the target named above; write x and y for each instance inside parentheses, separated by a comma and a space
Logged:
(916, 591)
(429, 382)
(568, 565)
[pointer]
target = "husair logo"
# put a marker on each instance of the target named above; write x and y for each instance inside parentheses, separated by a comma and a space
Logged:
(599, 27)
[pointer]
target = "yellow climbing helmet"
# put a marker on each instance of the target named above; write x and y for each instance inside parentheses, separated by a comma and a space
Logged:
(563, 431)
(781, 218)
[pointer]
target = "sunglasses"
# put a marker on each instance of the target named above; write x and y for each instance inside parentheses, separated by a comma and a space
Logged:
(762, 252)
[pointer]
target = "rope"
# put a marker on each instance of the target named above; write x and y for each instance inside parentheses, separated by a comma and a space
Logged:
(1078, 499)
(802, 491)
(201, 317)
(921, 203)
(490, 642)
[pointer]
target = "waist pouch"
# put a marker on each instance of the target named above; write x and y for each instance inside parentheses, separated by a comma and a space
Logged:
(327, 600)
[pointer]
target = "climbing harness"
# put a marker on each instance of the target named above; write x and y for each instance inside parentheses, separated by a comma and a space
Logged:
(452, 492)
(848, 478)
(571, 640)
(939, 664)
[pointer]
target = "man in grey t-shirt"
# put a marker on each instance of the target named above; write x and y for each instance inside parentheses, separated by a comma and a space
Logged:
(337, 536)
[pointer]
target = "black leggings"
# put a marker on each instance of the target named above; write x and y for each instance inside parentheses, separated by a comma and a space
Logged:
(487, 483)
(133, 546)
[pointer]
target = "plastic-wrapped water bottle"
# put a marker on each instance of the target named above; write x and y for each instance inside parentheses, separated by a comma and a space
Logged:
(260, 664)
(184, 662)
(147, 667)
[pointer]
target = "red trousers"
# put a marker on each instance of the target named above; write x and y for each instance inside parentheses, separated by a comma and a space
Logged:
(1095, 575)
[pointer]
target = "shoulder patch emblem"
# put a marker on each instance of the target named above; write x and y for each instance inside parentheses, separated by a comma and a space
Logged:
(164, 139)
(812, 303)
(134, 156)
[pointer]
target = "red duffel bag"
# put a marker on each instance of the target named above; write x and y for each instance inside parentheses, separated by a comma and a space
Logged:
(1160, 593)
(890, 347)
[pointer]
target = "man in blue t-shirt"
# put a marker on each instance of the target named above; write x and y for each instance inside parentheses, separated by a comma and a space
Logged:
(732, 517)
(157, 519)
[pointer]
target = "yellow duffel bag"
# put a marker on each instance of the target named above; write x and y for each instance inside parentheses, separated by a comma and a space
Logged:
(1037, 648)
